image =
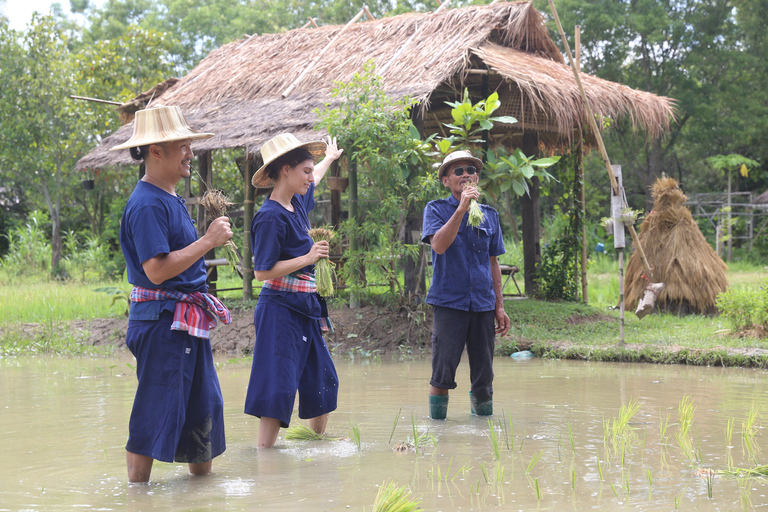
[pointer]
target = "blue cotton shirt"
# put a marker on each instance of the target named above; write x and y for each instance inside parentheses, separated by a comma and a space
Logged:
(156, 222)
(461, 277)
(279, 235)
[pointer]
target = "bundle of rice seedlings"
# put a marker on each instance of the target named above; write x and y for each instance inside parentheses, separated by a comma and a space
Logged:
(216, 204)
(392, 498)
(300, 432)
(679, 255)
(325, 271)
(476, 214)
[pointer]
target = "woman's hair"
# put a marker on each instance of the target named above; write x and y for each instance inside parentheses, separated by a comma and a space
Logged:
(291, 159)
(139, 153)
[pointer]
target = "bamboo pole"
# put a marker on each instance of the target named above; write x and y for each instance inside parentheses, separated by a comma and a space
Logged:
(582, 194)
(314, 61)
(600, 144)
(95, 100)
(368, 13)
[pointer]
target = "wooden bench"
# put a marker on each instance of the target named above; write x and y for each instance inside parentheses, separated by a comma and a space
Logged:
(510, 271)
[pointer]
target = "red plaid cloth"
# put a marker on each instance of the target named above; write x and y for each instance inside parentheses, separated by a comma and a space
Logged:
(195, 313)
(301, 282)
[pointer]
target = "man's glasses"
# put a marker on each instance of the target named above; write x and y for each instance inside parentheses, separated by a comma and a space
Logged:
(458, 171)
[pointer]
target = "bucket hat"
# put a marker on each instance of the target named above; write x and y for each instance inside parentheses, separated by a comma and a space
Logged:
(158, 124)
(276, 147)
(458, 155)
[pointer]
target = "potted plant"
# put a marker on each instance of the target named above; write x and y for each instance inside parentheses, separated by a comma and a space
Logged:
(87, 180)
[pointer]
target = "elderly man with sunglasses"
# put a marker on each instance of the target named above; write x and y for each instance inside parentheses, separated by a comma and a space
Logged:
(466, 287)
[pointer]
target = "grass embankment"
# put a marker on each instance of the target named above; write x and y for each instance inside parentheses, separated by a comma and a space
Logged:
(576, 331)
(53, 305)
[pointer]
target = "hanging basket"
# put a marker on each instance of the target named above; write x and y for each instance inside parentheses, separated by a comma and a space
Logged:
(338, 184)
(88, 184)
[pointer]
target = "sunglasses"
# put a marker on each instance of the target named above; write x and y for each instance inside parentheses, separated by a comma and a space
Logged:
(458, 171)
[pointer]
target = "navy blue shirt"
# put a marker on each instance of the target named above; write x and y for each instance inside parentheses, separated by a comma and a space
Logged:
(461, 277)
(156, 222)
(278, 235)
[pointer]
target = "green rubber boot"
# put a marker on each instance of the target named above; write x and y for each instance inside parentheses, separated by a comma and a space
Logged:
(438, 406)
(481, 407)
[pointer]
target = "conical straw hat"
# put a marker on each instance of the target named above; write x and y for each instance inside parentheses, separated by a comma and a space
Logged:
(276, 147)
(160, 124)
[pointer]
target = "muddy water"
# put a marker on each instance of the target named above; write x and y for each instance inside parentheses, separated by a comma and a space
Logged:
(63, 427)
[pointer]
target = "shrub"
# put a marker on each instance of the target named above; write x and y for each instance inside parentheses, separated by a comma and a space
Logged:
(744, 308)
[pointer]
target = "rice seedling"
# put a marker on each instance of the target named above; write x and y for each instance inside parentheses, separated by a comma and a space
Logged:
(710, 476)
(614, 492)
(463, 470)
(476, 214)
(484, 470)
(620, 431)
(570, 435)
(650, 485)
(749, 429)
(506, 430)
(538, 489)
(420, 439)
(663, 429)
(300, 432)
(522, 441)
(573, 478)
(394, 425)
(532, 463)
(325, 271)
(500, 470)
(685, 416)
(216, 203)
(448, 471)
(742, 472)
(392, 498)
(494, 441)
(599, 465)
(354, 433)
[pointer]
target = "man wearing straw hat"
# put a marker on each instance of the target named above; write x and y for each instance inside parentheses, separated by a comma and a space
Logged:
(177, 414)
(466, 287)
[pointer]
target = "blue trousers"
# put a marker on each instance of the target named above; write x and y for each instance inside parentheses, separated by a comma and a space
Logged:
(178, 412)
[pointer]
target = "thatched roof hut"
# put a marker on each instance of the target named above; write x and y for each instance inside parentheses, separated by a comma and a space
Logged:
(679, 255)
(236, 91)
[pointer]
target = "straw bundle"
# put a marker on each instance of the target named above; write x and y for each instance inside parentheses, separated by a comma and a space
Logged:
(216, 204)
(324, 268)
(679, 256)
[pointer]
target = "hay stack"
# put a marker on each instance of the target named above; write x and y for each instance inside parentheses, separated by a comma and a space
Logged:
(679, 256)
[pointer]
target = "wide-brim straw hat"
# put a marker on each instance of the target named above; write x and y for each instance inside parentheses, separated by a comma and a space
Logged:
(158, 124)
(458, 155)
(276, 147)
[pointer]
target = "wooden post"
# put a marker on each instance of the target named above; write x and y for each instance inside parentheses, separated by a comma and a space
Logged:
(582, 195)
(619, 242)
(530, 222)
(252, 163)
(354, 243)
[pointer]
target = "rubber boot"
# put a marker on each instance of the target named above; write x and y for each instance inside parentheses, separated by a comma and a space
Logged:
(481, 407)
(438, 406)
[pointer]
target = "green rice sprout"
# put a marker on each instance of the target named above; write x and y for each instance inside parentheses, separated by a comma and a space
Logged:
(573, 478)
(744, 472)
(522, 441)
(504, 429)
(392, 498)
(710, 475)
(494, 441)
(570, 436)
(538, 489)
(650, 482)
(354, 433)
(599, 465)
(325, 271)
(485, 473)
(476, 215)
(614, 491)
(448, 471)
(685, 416)
(663, 429)
(532, 463)
(216, 203)
(394, 425)
(749, 429)
(500, 470)
(300, 432)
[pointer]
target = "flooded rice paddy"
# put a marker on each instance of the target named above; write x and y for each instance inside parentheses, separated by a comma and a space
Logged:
(563, 438)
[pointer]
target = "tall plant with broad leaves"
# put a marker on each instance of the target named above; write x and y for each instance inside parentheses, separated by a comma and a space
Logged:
(392, 161)
(502, 171)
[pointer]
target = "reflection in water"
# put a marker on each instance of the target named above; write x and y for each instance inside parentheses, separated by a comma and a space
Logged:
(64, 426)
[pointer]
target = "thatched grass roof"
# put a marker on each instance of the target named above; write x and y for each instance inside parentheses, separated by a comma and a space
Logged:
(235, 92)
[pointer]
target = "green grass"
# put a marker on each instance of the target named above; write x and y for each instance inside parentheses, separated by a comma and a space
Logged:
(41, 301)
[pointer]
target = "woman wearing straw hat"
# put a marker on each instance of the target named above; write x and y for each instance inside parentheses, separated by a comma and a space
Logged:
(290, 353)
(177, 414)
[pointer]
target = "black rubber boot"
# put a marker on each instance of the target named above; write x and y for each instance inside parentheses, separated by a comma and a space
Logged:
(438, 406)
(481, 407)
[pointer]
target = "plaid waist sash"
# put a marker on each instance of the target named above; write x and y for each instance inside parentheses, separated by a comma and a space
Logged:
(299, 282)
(302, 282)
(196, 312)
